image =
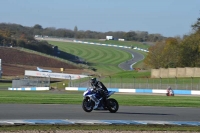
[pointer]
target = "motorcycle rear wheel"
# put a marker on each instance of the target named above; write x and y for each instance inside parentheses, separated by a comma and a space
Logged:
(87, 105)
(112, 105)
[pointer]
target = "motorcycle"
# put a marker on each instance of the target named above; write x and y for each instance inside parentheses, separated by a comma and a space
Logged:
(90, 96)
(170, 92)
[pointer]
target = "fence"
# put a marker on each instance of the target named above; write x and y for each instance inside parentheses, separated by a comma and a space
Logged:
(31, 82)
(175, 72)
(143, 83)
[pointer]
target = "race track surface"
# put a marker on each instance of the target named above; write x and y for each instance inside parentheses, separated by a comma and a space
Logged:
(60, 111)
(127, 65)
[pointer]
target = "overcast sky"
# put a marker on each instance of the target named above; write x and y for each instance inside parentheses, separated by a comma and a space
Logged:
(166, 17)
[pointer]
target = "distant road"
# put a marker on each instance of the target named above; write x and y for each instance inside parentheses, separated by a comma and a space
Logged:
(127, 65)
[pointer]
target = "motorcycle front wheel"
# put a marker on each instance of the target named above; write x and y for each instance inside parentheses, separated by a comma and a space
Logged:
(87, 105)
(112, 105)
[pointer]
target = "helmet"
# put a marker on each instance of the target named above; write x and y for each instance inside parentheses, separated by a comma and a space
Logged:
(93, 81)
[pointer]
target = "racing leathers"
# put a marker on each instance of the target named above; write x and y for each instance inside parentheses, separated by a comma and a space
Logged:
(100, 89)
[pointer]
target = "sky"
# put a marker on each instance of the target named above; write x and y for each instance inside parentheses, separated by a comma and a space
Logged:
(169, 18)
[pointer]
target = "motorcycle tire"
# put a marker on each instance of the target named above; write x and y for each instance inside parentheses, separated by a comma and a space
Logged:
(87, 105)
(112, 105)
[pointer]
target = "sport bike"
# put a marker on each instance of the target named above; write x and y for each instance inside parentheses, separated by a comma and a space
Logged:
(90, 96)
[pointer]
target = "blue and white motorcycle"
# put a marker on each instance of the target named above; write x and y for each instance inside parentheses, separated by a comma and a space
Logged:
(90, 97)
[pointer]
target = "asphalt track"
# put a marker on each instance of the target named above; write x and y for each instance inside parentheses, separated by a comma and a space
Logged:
(60, 111)
(127, 65)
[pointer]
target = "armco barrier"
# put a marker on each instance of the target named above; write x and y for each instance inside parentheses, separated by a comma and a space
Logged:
(110, 45)
(146, 91)
(29, 89)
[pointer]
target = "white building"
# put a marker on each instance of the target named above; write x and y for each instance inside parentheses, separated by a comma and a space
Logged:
(109, 37)
(120, 39)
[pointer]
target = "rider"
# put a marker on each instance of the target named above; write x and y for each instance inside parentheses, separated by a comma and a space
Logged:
(100, 88)
(170, 92)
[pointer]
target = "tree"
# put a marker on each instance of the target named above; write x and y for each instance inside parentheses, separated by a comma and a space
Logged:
(190, 51)
(21, 43)
(171, 53)
(37, 26)
(142, 36)
(190, 48)
(154, 59)
(196, 26)
(130, 36)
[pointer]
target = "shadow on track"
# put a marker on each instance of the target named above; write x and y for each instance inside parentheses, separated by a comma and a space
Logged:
(130, 113)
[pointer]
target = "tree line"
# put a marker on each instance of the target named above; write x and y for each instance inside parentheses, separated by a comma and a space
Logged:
(16, 35)
(166, 53)
(142, 36)
(12, 35)
(176, 52)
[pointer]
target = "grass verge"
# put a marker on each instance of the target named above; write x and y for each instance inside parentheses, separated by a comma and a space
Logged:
(75, 97)
(93, 128)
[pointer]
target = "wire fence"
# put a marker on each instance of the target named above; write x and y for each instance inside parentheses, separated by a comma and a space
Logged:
(142, 83)
(31, 82)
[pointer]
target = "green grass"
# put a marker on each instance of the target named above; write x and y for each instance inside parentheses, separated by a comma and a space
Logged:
(99, 128)
(75, 97)
(104, 59)
(131, 74)
(42, 97)
(158, 100)
(143, 77)
(5, 85)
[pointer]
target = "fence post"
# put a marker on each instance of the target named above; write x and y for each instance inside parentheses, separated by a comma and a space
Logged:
(160, 83)
(69, 81)
(191, 83)
(176, 82)
(36, 82)
(168, 82)
(49, 81)
(147, 82)
(79, 82)
(133, 82)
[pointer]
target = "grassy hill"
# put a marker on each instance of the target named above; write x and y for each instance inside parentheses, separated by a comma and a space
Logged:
(104, 59)
(16, 60)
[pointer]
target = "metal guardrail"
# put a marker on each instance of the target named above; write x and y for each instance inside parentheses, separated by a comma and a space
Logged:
(143, 83)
